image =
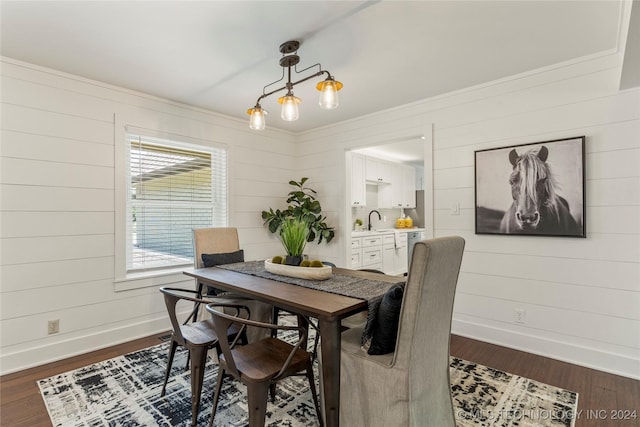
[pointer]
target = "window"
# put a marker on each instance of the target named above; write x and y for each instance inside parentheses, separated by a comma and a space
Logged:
(173, 187)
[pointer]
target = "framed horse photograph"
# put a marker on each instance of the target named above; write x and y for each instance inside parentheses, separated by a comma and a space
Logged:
(535, 189)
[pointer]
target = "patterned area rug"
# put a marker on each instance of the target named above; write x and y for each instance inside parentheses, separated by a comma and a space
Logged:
(125, 391)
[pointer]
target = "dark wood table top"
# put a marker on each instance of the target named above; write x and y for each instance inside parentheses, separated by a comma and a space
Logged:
(292, 297)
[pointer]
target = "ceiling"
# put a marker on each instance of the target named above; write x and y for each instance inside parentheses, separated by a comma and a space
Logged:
(219, 55)
(407, 151)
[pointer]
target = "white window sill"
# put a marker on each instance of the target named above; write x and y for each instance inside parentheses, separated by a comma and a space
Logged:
(151, 278)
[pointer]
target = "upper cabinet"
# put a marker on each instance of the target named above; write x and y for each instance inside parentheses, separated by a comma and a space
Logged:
(358, 184)
(404, 187)
(378, 170)
(396, 182)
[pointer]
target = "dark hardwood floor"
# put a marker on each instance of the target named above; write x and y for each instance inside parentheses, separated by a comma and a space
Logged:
(604, 400)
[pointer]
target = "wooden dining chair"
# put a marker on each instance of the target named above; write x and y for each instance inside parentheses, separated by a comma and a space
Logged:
(221, 245)
(261, 364)
(407, 384)
(197, 337)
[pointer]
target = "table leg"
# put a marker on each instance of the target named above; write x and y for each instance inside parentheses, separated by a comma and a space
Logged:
(330, 344)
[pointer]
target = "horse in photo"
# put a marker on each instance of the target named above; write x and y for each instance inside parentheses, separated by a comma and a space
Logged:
(536, 207)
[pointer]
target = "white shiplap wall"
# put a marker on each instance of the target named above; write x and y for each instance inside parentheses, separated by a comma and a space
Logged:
(581, 296)
(58, 200)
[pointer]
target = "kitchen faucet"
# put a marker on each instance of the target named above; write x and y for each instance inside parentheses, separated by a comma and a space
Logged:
(379, 217)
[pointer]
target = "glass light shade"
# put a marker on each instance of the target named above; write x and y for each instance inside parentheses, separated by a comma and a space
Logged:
(256, 120)
(329, 94)
(289, 111)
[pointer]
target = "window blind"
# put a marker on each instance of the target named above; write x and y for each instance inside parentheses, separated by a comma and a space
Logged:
(172, 190)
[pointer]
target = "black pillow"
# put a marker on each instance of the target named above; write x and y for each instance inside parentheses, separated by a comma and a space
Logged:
(211, 260)
(385, 328)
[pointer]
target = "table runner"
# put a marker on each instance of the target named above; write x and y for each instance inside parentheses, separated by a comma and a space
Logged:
(369, 290)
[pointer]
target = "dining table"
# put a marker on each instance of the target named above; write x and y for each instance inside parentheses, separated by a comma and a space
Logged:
(328, 307)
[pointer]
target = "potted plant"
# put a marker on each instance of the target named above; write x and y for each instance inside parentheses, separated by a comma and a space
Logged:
(358, 224)
(293, 235)
(304, 207)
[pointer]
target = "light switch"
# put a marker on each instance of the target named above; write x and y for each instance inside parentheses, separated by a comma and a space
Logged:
(455, 209)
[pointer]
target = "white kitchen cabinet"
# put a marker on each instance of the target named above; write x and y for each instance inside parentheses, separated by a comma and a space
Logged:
(382, 173)
(388, 254)
(372, 252)
(408, 186)
(397, 199)
(372, 258)
(403, 194)
(372, 241)
(380, 251)
(400, 259)
(377, 170)
(385, 196)
(394, 257)
(358, 181)
(356, 253)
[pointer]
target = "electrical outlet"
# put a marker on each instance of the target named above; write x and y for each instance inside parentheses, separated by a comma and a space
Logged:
(54, 326)
(519, 315)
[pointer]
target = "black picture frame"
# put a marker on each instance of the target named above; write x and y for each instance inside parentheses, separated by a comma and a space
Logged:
(508, 202)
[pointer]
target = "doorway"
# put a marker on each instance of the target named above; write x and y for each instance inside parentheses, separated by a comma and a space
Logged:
(412, 153)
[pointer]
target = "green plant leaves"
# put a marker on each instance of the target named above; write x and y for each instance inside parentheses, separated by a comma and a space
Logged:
(303, 206)
(293, 235)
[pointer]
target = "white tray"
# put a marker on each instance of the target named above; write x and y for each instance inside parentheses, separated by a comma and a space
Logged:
(310, 273)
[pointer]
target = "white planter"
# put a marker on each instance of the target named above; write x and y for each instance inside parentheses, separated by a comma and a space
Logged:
(310, 273)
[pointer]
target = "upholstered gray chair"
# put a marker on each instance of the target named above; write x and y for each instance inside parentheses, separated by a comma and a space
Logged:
(408, 387)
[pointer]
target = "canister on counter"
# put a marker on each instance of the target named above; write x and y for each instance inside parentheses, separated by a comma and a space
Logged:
(408, 222)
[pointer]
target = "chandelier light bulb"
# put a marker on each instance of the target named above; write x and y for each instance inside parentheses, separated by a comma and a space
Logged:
(256, 118)
(289, 111)
(329, 94)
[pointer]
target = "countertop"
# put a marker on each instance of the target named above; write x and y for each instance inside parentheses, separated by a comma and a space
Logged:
(383, 231)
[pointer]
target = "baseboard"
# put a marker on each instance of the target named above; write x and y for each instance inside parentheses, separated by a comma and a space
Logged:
(43, 354)
(579, 355)
(588, 357)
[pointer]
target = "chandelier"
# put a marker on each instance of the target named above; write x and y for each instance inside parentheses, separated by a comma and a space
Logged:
(328, 89)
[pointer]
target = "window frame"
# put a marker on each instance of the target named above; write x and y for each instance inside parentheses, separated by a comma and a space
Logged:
(128, 280)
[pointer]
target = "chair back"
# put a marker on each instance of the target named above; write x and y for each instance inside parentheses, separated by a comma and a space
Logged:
(215, 240)
(425, 327)
(171, 298)
(221, 323)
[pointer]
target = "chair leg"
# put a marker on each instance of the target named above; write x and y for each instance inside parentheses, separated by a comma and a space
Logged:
(199, 358)
(257, 394)
(216, 395)
(304, 322)
(316, 341)
(314, 393)
(186, 365)
(172, 352)
(272, 392)
(275, 312)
